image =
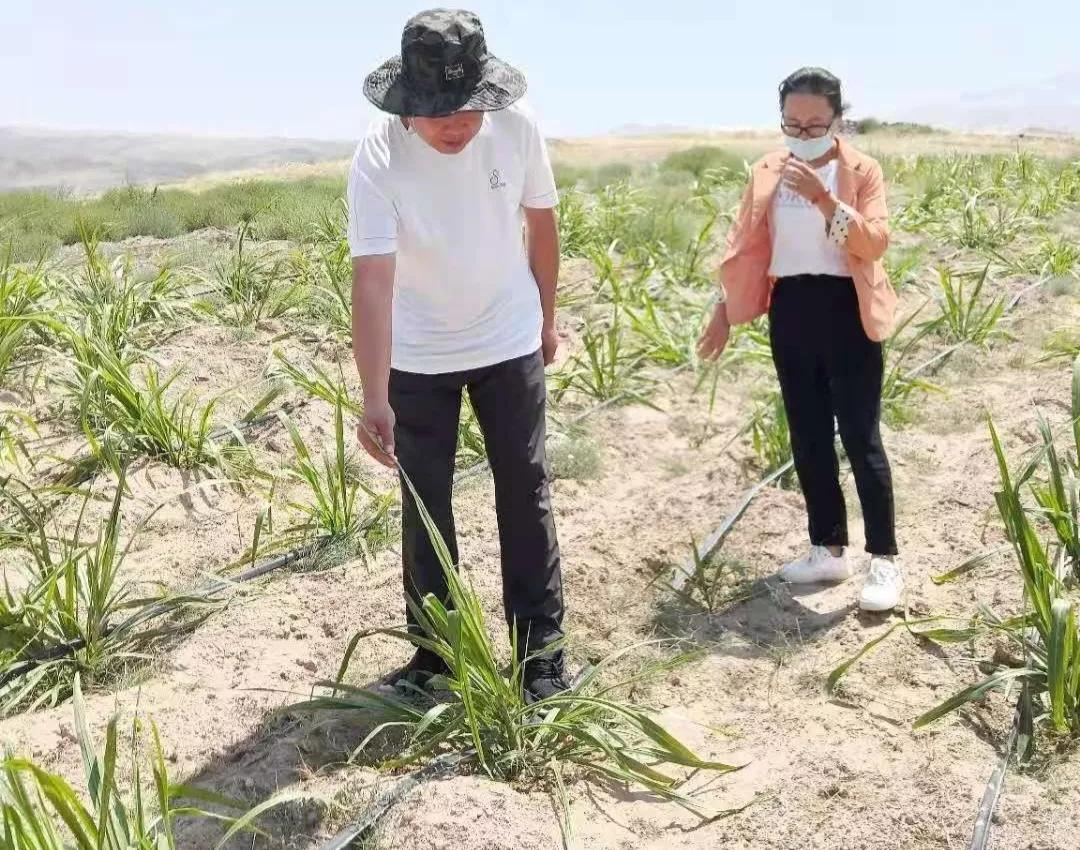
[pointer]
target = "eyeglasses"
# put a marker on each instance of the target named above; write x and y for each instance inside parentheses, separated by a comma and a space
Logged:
(811, 131)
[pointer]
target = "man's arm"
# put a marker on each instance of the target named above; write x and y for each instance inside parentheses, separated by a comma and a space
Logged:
(542, 239)
(372, 298)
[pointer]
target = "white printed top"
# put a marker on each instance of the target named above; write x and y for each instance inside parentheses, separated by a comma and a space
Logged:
(802, 241)
(464, 295)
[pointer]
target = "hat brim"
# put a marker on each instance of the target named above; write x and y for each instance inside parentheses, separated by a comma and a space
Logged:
(501, 85)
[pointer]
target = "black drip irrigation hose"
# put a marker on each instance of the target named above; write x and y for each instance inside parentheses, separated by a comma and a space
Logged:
(53, 653)
(246, 424)
(443, 765)
(438, 768)
(22, 668)
(1019, 738)
(85, 468)
(281, 561)
(1021, 730)
(365, 825)
(63, 650)
(715, 540)
(1021, 733)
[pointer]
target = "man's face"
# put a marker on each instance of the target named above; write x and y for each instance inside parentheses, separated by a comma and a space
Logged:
(450, 134)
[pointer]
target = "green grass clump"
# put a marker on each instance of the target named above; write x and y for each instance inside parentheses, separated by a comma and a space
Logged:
(608, 173)
(16, 427)
(700, 160)
(1038, 506)
(36, 223)
(471, 446)
(592, 179)
(341, 509)
(1046, 634)
(323, 273)
(578, 234)
(316, 382)
(1062, 343)
(606, 369)
(110, 302)
(107, 317)
(250, 283)
(22, 310)
(486, 720)
(41, 811)
(868, 126)
(983, 202)
(712, 580)
(966, 316)
(770, 436)
(668, 214)
(128, 410)
(568, 176)
(902, 264)
(574, 456)
(70, 610)
(1056, 257)
(902, 382)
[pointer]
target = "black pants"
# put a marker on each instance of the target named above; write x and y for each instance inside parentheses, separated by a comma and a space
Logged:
(509, 399)
(828, 368)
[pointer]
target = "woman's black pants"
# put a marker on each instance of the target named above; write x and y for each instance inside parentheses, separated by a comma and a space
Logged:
(830, 371)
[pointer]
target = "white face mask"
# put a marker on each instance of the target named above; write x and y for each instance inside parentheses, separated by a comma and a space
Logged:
(810, 149)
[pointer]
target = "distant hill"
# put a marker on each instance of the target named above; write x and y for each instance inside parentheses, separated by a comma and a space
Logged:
(86, 162)
(1051, 104)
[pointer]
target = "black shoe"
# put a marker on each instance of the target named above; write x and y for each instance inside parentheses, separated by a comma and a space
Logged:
(544, 677)
(416, 675)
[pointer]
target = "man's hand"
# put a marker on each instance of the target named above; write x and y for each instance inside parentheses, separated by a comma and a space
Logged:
(550, 343)
(715, 337)
(376, 433)
(542, 239)
(372, 297)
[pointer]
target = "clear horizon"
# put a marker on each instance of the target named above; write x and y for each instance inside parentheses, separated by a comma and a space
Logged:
(260, 70)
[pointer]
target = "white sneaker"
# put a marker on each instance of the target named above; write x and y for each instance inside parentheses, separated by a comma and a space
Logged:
(884, 586)
(819, 566)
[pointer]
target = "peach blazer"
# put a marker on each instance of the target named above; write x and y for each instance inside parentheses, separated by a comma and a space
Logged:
(861, 189)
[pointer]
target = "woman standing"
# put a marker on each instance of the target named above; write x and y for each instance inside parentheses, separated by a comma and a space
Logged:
(806, 248)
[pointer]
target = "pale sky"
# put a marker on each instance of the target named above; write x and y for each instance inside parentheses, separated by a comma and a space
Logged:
(295, 67)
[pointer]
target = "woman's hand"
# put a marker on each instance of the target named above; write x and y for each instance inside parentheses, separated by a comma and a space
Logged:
(715, 337)
(803, 180)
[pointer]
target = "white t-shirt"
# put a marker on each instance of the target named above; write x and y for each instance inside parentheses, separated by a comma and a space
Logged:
(464, 295)
(800, 243)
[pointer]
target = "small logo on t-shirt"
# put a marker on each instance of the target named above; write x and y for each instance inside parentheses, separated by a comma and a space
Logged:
(496, 180)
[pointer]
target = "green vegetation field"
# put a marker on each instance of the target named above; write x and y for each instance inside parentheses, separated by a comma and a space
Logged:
(201, 574)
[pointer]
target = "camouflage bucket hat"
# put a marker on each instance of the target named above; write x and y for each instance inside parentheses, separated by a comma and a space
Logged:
(444, 67)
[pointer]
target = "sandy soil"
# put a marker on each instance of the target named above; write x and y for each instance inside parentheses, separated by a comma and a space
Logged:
(822, 771)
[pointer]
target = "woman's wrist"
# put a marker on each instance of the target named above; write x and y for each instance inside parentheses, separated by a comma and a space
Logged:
(827, 203)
